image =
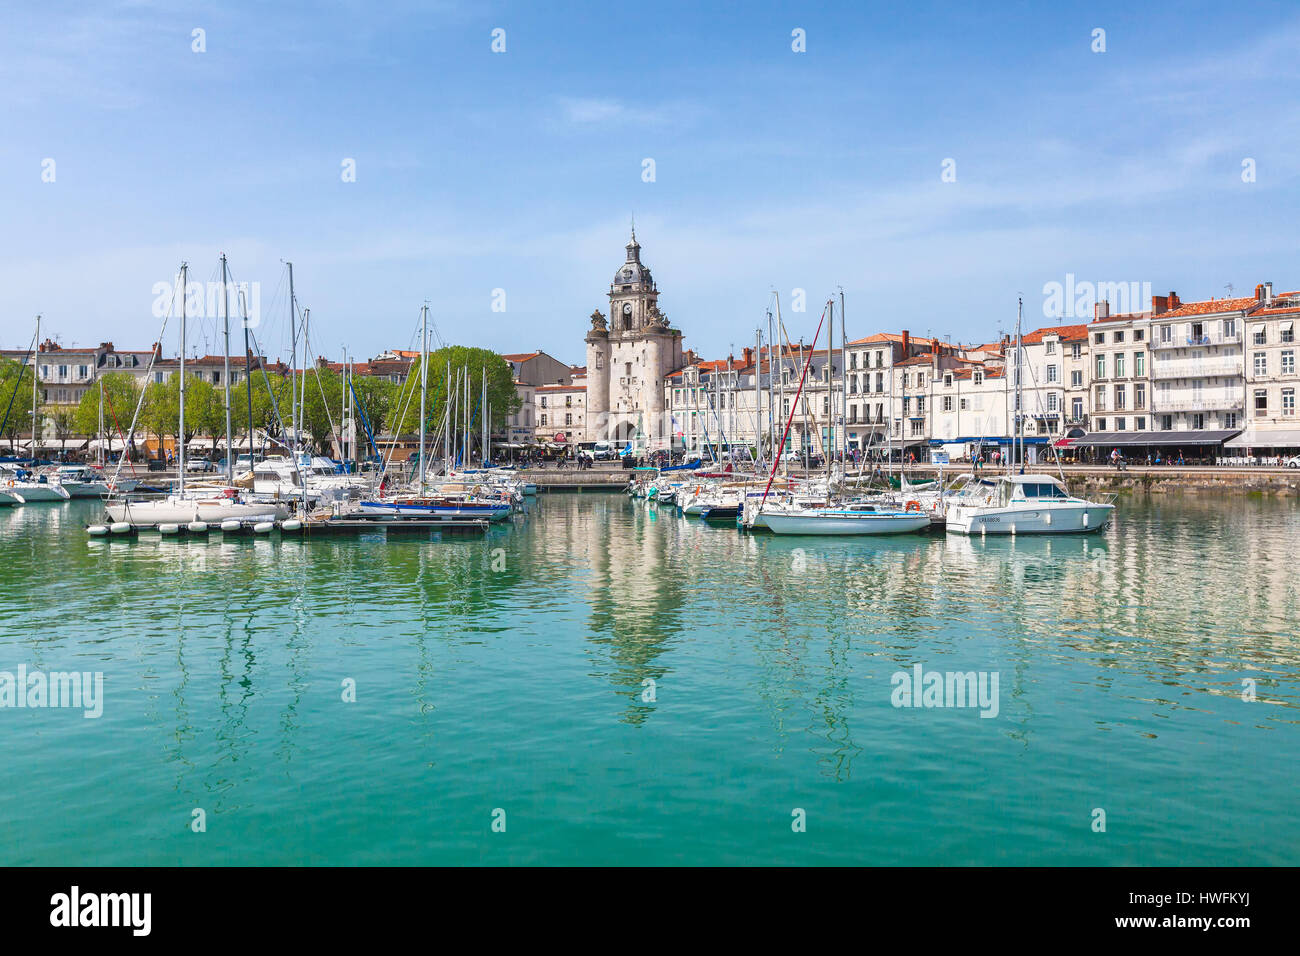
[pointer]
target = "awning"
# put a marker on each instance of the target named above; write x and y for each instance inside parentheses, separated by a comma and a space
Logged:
(1287, 326)
(1256, 437)
(1063, 442)
(1130, 439)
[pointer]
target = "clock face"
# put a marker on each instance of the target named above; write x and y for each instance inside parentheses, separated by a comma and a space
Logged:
(627, 308)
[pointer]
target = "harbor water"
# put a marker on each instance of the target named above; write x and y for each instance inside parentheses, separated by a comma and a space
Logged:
(602, 681)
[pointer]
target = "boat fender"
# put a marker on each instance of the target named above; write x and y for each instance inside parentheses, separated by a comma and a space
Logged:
(913, 506)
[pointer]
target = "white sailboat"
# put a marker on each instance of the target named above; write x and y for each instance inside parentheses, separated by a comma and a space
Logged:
(192, 508)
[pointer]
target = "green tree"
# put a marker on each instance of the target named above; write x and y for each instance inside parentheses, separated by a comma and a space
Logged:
(64, 419)
(322, 403)
(464, 362)
(376, 398)
(161, 412)
(15, 399)
(121, 392)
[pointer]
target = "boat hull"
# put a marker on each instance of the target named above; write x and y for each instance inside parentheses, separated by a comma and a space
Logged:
(847, 523)
(393, 509)
(1072, 519)
(183, 511)
(34, 491)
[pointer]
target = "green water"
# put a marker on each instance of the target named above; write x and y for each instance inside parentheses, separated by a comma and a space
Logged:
(509, 673)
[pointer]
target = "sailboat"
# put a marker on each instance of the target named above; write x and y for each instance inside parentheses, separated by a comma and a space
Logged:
(195, 509)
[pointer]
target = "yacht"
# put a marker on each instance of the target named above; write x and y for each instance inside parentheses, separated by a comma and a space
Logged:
(849, 519)
(83, 481)
(1022, 504)
(29, 488)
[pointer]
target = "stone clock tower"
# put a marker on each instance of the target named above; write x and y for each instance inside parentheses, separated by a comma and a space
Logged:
(628, 358)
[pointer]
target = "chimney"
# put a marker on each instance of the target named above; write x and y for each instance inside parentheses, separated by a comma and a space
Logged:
(749, 356)
(1174, 301)
(1268, 293)
(907, 341)
(1259, 293)
(1101, 310)
(1159, 304)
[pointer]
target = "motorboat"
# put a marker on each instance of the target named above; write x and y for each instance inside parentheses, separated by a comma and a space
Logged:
(849, 519)
(1022, 504)
(30, 488)
(83, 481)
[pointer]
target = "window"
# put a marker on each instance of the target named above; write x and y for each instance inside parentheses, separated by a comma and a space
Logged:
(1076, 410)
(1166, 334)
(1119, 336)
(568, 419)
(977, 378)
(83, 371)
(1229, 328)
(1260, 337)
(1120, 424)
(1101, 424)
(965, 404)
(1076, 379)
(947, 403)
(1288, 361)
(1261, 401)
(1099, 338)
(1051, 373)
(1076, 350)
(1119, 364)
(542, 420)
(1051, 401)
(1288, 401)
(1288, 332)
(880, 381)
(1229, 419)
(907, 405)
(543, 401)
(1139, 364)
(568, 401)
(1120, 398)
(1051, 347)
(1100, 402)
(853, 385)
(1261, 364)
(1167, 422)
(880, 360)
(853, 360)
(1139, 396)
(1198, 421)
(1198, 332)
(920, 404)
(947, 380)
(917, 427)
(1138, 336)
(1140, 423)
(1101, 366)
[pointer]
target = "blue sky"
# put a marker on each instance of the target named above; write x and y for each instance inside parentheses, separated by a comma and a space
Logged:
(519, 171)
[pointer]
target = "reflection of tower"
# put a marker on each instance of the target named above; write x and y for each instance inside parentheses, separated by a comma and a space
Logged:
(627, 362)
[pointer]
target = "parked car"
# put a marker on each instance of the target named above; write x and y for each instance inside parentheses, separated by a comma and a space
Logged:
(200, 464)
(604, 451)
(1293, 462)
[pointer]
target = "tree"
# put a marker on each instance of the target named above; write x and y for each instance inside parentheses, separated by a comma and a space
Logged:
(121, 392)
(464, 362)
(161, 412)
(322, 404)
(375, 399)
(15, 399)
(63, 418)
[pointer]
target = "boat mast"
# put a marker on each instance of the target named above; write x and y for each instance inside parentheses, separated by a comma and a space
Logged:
(424, 383)
(100, 456)
(248, 378)
(293, 366)
(844, 387)
(180, 451)
(758, 397)
(830, 397)
(771, 387)
(1019, 436)
(36, 369)
(225, 317)
(482, 410)
(302, 389)
(446, 431)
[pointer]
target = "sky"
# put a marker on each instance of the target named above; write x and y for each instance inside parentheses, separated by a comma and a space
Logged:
(935, 161)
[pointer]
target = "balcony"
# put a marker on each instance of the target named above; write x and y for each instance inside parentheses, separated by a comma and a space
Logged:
(1191, 341)
(1203, 368)
(1202, 403)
